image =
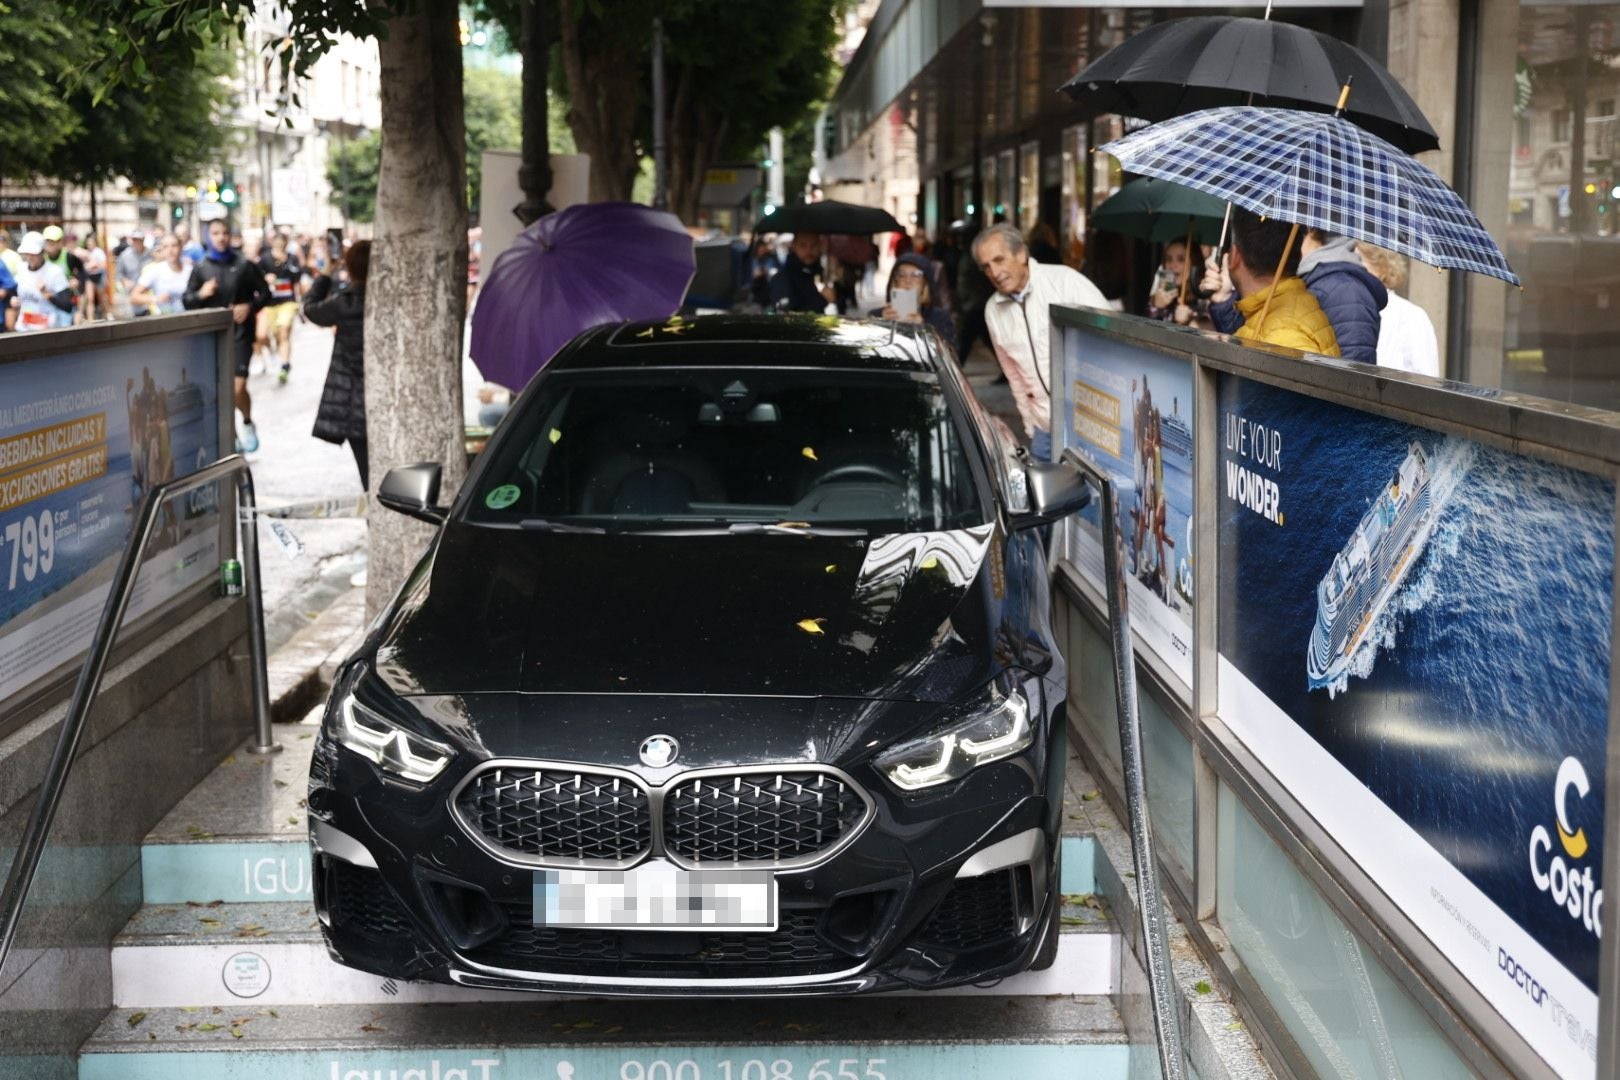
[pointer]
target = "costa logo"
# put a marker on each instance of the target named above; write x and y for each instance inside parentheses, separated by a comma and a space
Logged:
(1566, 874)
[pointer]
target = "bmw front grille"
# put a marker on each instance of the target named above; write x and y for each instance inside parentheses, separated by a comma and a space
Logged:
(568, 815)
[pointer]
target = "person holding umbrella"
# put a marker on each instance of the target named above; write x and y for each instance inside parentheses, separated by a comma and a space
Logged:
(1350, 296)
(1260, 283)
(794, 286)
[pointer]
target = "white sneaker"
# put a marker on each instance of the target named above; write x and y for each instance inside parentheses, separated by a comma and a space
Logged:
(255, 366)
(248, 441)
(358, 579)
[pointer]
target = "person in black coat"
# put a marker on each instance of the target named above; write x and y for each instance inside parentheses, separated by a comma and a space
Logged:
(342, 414)
(224, 279)
(794, 286)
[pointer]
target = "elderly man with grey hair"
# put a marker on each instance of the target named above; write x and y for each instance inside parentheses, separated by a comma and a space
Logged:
(1019, 321)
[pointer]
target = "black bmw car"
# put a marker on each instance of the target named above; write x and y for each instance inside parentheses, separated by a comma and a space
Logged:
(728, 671)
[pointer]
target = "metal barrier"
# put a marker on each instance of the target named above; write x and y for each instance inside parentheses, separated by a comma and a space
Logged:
(21, 876)
(1150, 901)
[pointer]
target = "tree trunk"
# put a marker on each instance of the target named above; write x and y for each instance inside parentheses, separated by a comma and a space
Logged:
(416, 296)
(697, 134)
(601, 102)
(534, 177)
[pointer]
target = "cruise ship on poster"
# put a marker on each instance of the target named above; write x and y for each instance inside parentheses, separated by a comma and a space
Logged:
(1387, 542)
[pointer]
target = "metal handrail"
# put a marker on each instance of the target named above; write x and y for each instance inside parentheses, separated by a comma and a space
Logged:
(1150, 900)
(21, 875)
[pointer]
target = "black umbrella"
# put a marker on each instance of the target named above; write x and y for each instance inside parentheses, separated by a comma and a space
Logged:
(1183, 65)
(829, 217)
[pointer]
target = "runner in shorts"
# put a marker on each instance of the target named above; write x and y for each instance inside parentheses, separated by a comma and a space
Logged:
(282, 272)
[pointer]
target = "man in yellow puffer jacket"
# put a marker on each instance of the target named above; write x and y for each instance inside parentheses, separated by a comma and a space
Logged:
(1295, 319)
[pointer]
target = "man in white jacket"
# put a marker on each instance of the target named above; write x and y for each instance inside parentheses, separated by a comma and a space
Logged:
(1020, 322)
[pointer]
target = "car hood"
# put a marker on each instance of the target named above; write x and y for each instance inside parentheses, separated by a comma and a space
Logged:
(499, 609)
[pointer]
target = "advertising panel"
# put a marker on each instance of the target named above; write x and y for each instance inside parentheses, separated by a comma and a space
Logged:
(82, 437)
(1128, 409)
(1414, 635)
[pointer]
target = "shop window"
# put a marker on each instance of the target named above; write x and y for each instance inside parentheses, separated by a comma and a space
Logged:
(1554, 213)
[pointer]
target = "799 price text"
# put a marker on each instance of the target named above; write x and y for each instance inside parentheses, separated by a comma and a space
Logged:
(755, 1069)
(32, 543)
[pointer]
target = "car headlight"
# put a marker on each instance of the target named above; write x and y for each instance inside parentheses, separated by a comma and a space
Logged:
(380, 740)
(991, 729)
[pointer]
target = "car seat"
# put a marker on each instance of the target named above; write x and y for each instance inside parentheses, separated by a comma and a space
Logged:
(652, 471)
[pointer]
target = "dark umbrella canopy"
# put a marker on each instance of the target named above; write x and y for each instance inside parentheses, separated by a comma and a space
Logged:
(828, 217)
(1183, 65)
(572, 270)
(1157, 210)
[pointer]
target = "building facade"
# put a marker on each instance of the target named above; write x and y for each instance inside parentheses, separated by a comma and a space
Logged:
(961, 98)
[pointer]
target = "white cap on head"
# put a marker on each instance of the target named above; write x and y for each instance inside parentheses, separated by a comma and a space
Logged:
(33, 243)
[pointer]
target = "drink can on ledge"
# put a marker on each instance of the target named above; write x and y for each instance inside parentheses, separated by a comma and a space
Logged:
(230, 578)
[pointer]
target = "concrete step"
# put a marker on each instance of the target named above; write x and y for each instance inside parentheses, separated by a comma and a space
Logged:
(886, 1038)
(228, 955)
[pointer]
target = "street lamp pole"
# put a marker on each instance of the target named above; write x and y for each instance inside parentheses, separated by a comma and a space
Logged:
(660, 153)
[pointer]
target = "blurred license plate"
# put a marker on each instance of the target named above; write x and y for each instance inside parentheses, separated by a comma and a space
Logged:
(656, 895)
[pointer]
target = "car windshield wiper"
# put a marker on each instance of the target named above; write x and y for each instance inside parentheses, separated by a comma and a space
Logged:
(543, 525)
(756, 528)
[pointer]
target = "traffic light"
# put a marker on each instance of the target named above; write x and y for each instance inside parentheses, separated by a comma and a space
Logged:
(191, 191)
(227, 191)
(179, 211)
(463, 32)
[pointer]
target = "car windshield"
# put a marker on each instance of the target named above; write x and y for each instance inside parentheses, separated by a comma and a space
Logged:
(739, 449)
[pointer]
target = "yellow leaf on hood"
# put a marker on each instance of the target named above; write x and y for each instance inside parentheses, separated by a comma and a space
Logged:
(810, 452)
(811, 626)
(554, 436)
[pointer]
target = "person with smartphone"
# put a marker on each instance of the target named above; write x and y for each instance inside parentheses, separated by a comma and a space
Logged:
(911, 297)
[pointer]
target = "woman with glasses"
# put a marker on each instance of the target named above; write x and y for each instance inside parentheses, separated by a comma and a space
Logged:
(911, 297)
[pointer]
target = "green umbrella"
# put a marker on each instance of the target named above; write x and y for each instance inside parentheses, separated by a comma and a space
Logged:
(1157, 211)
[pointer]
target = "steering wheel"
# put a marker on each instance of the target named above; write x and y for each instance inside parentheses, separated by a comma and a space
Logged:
(859, 470)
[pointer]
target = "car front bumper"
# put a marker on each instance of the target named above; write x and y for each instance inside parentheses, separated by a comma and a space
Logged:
(955, 887)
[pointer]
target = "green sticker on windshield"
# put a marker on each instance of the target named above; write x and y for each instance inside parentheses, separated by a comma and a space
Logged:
(502, 497)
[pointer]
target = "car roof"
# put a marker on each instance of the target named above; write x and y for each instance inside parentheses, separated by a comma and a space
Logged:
(793, 340)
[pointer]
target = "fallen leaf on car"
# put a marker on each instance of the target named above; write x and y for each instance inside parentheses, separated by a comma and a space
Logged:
(931, 563)
(554, 436)
(831, 568)
(810, 452)
(811, 626)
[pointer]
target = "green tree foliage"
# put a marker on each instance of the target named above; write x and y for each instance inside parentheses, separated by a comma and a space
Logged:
(168, 133)
(351, 170)
(53, 122)
(733, 71)
(494, 122)
(494, 112)
(36, 49)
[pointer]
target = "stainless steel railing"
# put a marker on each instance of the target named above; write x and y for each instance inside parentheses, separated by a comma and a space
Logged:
(1150, 900)
(20, 878)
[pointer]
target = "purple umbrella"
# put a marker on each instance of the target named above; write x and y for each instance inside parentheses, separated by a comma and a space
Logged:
(578, 268)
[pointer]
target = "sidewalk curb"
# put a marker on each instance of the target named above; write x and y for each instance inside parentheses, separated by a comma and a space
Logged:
(301, 671)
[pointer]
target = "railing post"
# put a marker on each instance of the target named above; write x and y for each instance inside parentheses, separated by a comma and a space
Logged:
(20, 876)
(248, 530)
(1150, 901)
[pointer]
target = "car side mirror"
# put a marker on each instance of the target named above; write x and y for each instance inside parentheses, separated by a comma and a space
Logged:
(413, 490)
(1056, 490)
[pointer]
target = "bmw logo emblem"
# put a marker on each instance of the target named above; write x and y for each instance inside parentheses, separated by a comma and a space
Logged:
(658, 751)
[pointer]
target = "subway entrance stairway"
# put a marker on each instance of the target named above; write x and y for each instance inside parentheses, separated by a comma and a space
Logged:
(222, 973)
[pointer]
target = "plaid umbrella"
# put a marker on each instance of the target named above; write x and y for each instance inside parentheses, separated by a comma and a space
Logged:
(1319, 171)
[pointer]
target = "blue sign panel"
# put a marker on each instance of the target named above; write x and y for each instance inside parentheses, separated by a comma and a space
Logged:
(83, 436)
(1414, 635)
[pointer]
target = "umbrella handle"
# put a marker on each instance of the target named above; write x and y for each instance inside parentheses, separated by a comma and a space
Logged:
(1276, 279)
(1187, 273)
